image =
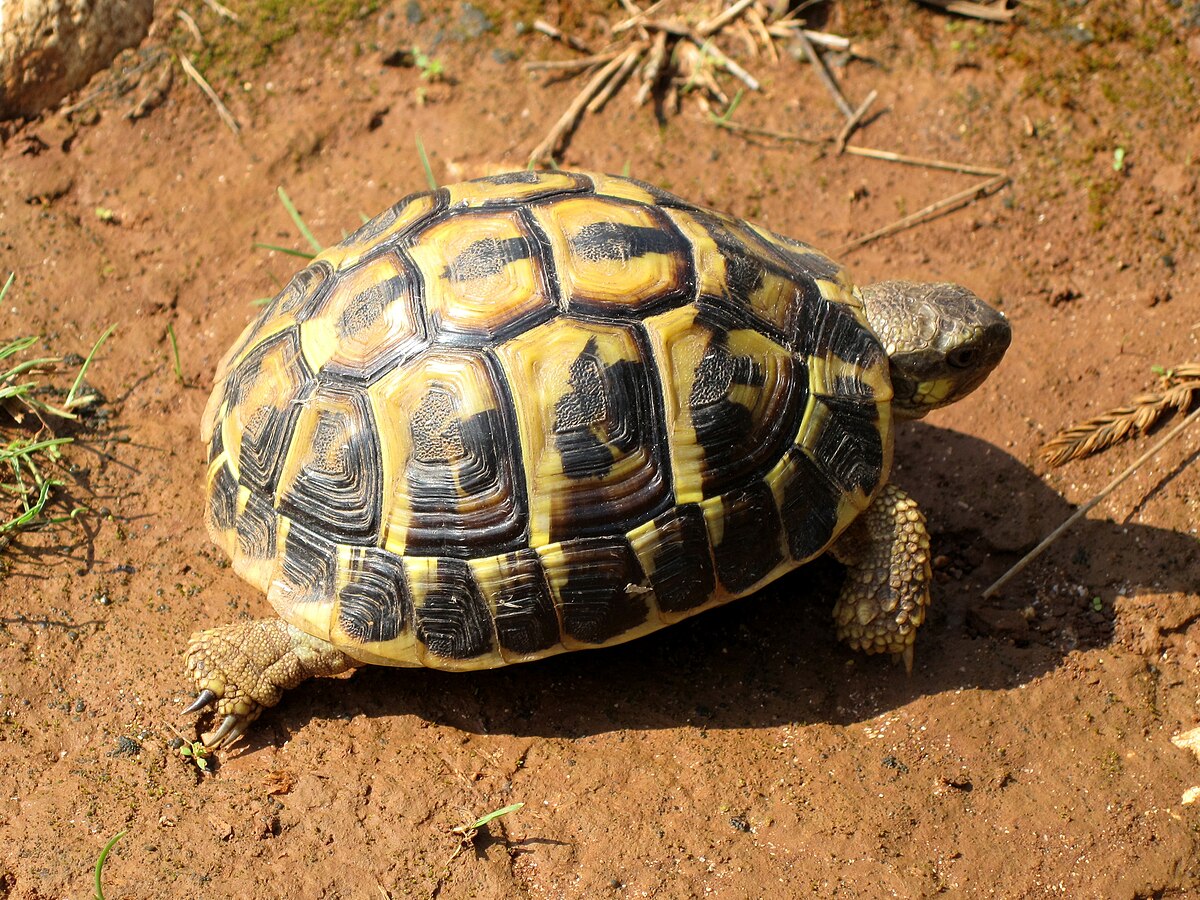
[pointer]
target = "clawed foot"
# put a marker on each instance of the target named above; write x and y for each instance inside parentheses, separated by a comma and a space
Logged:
(243, 669)
(210, 659)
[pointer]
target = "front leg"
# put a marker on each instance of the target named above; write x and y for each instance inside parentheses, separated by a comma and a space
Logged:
(883, 601)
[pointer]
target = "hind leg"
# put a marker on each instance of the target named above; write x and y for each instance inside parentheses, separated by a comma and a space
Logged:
(245, 668)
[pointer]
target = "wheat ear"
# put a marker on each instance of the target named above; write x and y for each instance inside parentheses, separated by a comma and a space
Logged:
(1178, 390)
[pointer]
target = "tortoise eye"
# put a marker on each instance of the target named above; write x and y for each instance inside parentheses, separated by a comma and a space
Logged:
(962, 358)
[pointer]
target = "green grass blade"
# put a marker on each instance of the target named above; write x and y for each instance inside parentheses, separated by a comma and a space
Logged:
(19, 344)
(100, 862)
(33, 511)
(175, 352)
(495, 814)
(430, 180)
(295, 214)
(288, 250)
(72, 399)
(7, 285)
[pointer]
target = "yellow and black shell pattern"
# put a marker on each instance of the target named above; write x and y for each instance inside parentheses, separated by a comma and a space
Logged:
(541, 412)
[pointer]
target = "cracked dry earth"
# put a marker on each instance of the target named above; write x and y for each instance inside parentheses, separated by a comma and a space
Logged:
(742, 753)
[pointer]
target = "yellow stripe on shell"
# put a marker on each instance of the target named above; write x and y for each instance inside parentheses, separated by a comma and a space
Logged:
(313, 618)
(618, 282)
(486, 301)
(710, 264)
(402, 650)
(256, 572)
(647, 541)
(493, 579)
(474, 194)
(224, 538)
(621, 188)
(273, 389)
(348, 254)
(463, 378)
(715, 517)
(679, 346)
(538, 367)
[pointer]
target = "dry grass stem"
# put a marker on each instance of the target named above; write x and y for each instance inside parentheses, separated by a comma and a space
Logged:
(710, 49)
(788, 30)
(222, 111)
(570, 40)
(854, 121)
(658, 51)
(715, 24)
(570, 65)
(759, 27)
(569, 119)
(754, 131)
(631, 59)
(823, 73)
(639, 17)
(995, 12)
(222, 11)
(652, 71)
(949, 204)
(191, 25)
(1180, 388)
(1083, 510)
(943, 164)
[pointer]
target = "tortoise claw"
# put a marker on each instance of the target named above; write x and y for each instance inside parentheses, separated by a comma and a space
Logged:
(230, 730)
(203, 699)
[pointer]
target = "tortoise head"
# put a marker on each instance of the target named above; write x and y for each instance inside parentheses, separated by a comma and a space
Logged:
(941, 339)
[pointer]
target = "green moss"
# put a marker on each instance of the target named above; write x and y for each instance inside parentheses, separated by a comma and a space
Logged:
(236, 48)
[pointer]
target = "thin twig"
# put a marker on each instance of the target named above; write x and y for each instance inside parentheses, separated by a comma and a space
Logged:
(820, 38)
(868, 152)
(956, 201)
(823, 73)
(569, 119)
(550, 31)
(755, 131)
(614, 84)
(998, 13)
(1083, 510)
(153, 58)
(853, 122)
(713, 25)
(759, 27)
(222, 11)
(652, 71)
(571, 64)
(222, 111)
(710, 49)
(191, 25)
(638, 18)
(945, 165)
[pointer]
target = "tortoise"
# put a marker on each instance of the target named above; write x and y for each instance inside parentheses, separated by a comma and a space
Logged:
(550, 411)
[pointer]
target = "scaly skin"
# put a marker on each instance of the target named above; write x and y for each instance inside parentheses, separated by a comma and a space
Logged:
(246, 668)
(886, 592)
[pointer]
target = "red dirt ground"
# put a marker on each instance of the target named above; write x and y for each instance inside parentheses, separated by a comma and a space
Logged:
(743, 753)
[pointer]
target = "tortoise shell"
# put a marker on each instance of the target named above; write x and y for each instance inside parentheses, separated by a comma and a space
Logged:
(541, 412)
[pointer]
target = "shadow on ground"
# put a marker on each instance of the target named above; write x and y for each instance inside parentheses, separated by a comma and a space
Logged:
(773, 659)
